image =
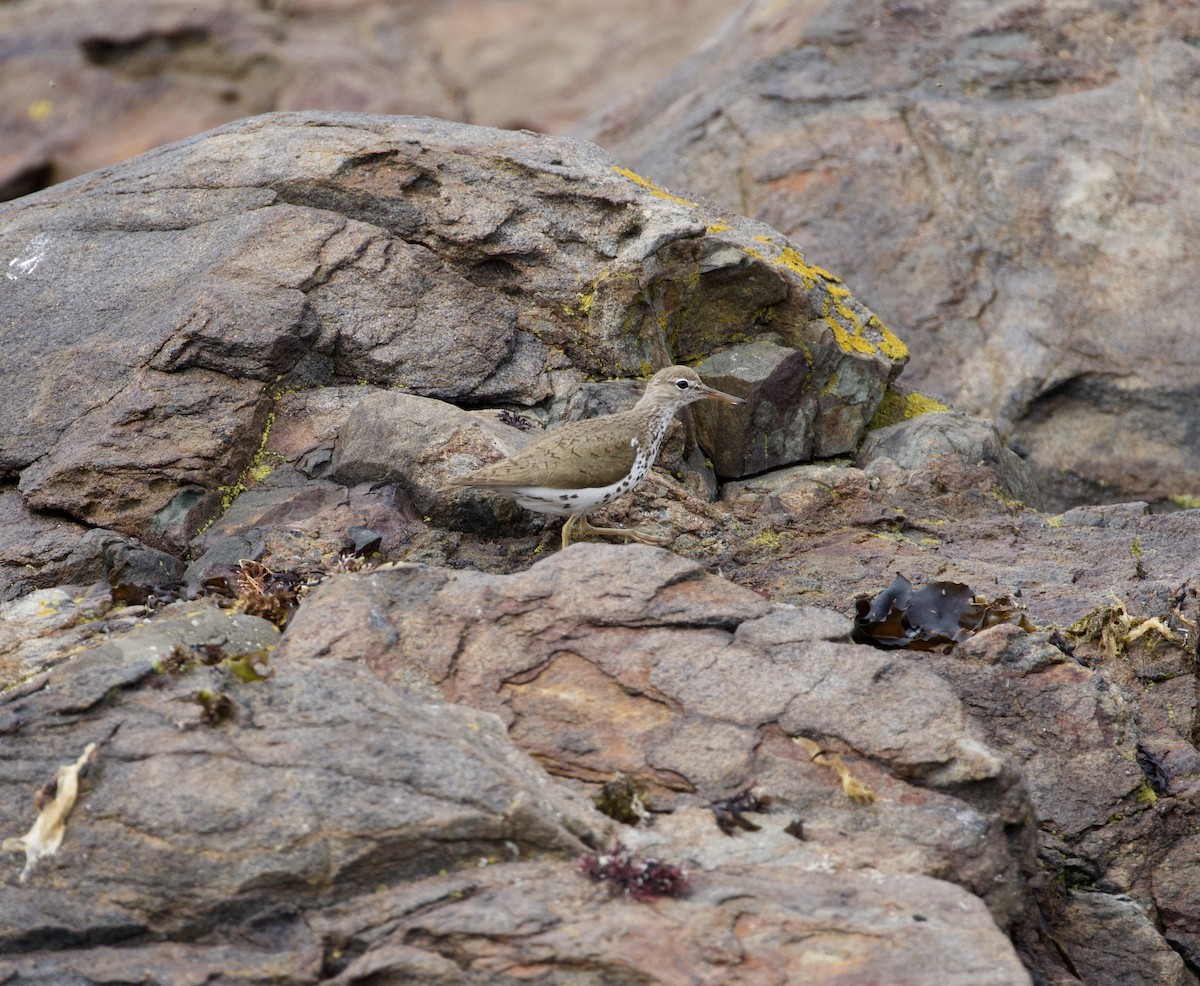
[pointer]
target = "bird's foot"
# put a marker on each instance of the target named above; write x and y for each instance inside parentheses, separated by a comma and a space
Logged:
(643, 538)
(629, 535)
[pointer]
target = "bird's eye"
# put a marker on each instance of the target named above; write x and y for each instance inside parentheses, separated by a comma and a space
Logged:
(682, 384)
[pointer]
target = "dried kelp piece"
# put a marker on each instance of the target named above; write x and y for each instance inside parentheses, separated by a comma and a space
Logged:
(730, 812)
(983, 614)
(51, 824)
(939, 614)
(903, 617)
(854, 789)
(507, 417)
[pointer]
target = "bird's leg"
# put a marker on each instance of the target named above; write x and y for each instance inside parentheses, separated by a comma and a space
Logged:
(567, 529)
(629, 535)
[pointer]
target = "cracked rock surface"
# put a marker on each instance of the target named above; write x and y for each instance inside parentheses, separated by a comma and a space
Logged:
(1006, 181)
(351, 727)
(199, 282)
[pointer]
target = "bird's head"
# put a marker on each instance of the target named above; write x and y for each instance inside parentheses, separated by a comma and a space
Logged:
(681, 385)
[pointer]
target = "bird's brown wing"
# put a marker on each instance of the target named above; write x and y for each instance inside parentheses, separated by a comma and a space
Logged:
(583, 454)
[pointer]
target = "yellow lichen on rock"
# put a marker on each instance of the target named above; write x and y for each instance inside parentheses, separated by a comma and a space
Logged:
(851, 335)
(848, 342)
(766, 539)
(260, 466)
(896, 407)
(890, 344)
(647, 184)
(793, 260)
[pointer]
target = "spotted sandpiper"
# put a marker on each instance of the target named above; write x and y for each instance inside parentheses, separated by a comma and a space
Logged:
(586, 464)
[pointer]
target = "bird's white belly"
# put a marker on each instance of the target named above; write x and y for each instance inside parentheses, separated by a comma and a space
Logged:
(547, 500)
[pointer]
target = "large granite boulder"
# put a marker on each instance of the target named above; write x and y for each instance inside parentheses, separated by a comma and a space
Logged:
(157, 310)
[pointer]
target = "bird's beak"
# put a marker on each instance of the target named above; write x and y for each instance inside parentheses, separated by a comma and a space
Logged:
(721, 396)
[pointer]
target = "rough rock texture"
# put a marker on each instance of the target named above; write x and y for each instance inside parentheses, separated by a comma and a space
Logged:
(690, 687)
(196, 283)
(85, 85)
(421, 444)
(219, 785)
(1012, 183)
(608, 661)
(283, 850)
(244, 366)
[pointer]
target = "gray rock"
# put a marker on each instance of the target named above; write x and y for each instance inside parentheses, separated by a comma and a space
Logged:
(221, 558)
(318, 255)
(307, 421)
(41, 627)
(743, 444)
(795, 625)
(228, 818)
(677, 700)
(138, 74)
(489, 926)
(921, 931)
(127, 657)
(148, 461)
(41, 551)
(607, 659)
(135, 573)
(1108, 515)
(1096, 922)
(398, 308)
(926, 442)
(980, 174)
(192, 284)
(1175, 902)
(55, 919)
(420, 444)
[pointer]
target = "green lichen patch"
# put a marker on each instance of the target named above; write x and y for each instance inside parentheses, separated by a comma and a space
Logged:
(622, 800)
